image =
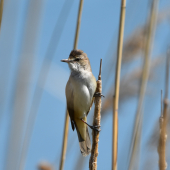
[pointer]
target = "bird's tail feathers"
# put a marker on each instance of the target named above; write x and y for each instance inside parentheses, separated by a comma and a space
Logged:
(85, 145)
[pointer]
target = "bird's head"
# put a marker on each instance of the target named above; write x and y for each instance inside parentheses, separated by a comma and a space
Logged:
(78, 61)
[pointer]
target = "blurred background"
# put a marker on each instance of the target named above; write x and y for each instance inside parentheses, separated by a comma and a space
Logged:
(34, 37)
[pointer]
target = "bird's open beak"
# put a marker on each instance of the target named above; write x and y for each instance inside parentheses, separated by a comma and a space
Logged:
(65, 60)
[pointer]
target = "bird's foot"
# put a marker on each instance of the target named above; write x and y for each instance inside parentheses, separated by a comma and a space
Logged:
(96, 128)
(97, 94)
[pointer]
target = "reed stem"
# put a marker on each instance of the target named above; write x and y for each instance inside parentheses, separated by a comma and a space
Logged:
(42, 77)
(65, 138)
(163, 121)
(96, 122)
(135, 144)
(117, 85)
(64, 147)
(78, 24)
(1, 11)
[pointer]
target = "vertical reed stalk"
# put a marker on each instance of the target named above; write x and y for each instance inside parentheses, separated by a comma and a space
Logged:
(24, 75)
(42, 77)
(65, 137)
(96, 122)
(1, 11)
(64, 148)
(117, 85)
(163, 121)
(135, 144)
(78, 24)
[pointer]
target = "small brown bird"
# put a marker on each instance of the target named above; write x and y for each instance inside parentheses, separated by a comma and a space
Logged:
(80, 90)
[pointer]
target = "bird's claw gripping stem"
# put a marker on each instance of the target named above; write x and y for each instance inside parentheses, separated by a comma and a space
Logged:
(96, 128)
(97, 94)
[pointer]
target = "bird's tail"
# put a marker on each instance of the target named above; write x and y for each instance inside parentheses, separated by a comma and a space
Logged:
(85, 144)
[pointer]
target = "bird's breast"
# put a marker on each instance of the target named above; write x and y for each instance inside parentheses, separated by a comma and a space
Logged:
(82, 99)
(83, 87)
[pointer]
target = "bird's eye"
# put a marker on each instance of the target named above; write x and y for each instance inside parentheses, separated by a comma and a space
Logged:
(77, 59)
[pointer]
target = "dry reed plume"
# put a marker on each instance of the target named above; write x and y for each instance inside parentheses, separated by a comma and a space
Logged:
(129, 85)
(134, 44)
(135, 142)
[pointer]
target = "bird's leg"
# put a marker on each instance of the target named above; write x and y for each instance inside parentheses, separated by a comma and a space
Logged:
(97, 94)
(96, 128)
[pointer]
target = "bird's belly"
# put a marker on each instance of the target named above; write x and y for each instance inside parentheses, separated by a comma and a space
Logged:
(82, 101)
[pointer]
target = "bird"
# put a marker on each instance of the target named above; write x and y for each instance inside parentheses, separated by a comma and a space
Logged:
(80, 94)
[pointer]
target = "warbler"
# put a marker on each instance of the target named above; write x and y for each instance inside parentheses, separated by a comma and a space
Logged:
(80, 90)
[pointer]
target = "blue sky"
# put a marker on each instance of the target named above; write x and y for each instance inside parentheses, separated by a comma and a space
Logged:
(26, 32)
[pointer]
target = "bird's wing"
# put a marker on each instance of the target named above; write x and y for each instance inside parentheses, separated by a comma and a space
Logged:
(70, 103)
(93, 94)
(90, 106)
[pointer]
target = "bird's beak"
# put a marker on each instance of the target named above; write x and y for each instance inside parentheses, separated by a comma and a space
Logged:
(65, 60)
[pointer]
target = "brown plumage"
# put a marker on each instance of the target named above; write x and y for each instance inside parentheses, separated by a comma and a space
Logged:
(80, 89)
